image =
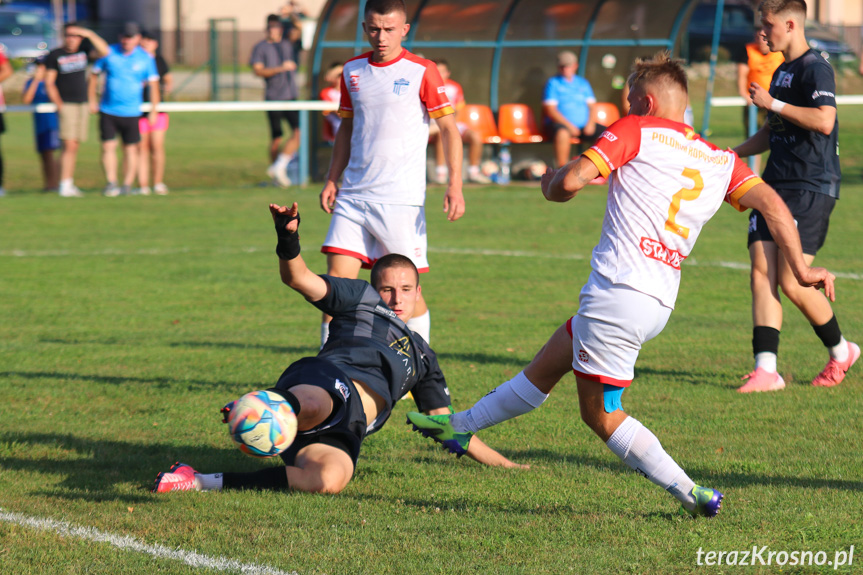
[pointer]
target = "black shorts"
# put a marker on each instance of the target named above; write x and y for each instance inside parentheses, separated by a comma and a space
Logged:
(2, 124)
(811, 212)
(292, 117)
(550, 128)
(110, 126)
(345, 429)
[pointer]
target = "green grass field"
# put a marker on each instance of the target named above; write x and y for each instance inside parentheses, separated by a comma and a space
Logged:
(126, 323)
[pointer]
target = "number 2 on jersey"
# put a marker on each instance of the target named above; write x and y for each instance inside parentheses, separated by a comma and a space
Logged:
(687, 194)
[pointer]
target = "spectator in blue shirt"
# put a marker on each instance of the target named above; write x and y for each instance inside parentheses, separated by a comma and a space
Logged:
(567, 106)
(126, 69)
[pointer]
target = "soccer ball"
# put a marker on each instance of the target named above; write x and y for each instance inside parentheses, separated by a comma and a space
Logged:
(530, 170)
(537, 169)
(489, 168)
(262, 424)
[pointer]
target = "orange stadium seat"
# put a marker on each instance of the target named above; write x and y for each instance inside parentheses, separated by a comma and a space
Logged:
(605, 113)
(480, 119)
(516, 124)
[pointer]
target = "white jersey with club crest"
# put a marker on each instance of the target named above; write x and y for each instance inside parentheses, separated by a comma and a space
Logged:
(390, 104)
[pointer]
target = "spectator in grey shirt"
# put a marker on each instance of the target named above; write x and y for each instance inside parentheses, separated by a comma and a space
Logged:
(273, 60)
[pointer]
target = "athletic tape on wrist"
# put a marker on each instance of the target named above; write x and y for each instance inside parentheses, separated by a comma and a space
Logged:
(288, 246)
(777, 105)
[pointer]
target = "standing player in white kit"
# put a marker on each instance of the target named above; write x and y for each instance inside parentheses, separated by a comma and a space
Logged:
(388, 97)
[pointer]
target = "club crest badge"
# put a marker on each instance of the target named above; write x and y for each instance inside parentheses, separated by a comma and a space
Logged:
(343, 389)
(400, 86)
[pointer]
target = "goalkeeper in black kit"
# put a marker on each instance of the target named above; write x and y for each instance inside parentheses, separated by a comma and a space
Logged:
(348, 390)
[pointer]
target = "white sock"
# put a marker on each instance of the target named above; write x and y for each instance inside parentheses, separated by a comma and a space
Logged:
(511, 399)
(840, 351)
(442, 172)
(209, 482)
(473, 170)
(766, 360)
(66, 184)
(325, 333)
(422, 325)
(640, 450)
(282, 161)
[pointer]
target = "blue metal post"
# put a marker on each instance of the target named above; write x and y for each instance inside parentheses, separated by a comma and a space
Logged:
(495, 61)
(408, 43)
(753, 127)
(678, 23)
(714, 49)
(588, 32)
(317, 58)
(358, 39)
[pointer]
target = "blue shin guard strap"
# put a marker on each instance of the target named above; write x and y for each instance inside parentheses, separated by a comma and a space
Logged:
(611, 395)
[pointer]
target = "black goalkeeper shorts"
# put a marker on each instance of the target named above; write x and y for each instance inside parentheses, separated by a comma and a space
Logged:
(345, 429)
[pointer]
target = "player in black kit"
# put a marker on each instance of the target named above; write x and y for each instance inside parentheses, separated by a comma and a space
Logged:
(801, 134)
(348, 390)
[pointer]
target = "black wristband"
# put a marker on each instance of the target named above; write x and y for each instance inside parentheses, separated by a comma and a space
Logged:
(289, 242)
(288, 248)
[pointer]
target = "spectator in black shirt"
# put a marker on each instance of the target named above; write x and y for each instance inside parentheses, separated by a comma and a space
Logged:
(370, 361)
(801, 134)
(66, 83)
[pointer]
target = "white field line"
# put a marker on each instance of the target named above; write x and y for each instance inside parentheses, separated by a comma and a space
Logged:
(126, 543)
(457, 251)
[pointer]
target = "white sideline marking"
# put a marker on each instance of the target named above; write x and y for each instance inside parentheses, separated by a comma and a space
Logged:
(126, 543)
(457, 251)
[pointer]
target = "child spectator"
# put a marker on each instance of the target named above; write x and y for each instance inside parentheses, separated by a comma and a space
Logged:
(5, 72)
(153, 134)
(332, 93)
(46, 129)
(455, 94)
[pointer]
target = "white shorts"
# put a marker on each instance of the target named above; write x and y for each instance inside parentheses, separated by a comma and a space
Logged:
(369, 231)
(612, 323)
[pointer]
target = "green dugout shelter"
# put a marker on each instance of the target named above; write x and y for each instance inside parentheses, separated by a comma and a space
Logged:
(503, 51)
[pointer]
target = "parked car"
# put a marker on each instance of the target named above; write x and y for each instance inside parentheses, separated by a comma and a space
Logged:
(739, 22)
(25, 32)
(829, 43)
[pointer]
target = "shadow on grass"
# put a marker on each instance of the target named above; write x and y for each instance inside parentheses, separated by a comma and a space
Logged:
(486, 359)
(304, 350)
(703, 475)
(93, 469)
(97, 470)
(466, 504)
(710, 378)
(158, 382)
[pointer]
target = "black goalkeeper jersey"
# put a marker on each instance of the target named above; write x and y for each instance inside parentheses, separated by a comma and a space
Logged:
(802, 159)
(372, 345)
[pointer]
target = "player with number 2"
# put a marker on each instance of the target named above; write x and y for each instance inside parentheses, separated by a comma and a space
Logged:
(665, 183)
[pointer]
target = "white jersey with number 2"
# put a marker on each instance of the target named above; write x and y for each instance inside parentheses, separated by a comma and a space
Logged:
(665, 183)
